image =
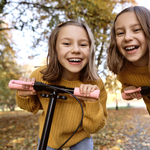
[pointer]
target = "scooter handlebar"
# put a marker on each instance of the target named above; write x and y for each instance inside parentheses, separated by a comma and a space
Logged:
(17, 84)
(125, 93)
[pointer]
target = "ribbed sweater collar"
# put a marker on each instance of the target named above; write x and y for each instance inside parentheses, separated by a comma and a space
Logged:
(132, 68)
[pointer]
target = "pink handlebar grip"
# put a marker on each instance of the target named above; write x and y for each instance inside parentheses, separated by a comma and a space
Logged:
(94, 94)
(125, 96)
(132, 91)
(17, 84)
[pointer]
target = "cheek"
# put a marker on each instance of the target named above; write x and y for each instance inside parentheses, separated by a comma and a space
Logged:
(87, 53)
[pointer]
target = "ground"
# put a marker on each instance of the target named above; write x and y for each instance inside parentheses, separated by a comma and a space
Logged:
(126, 129)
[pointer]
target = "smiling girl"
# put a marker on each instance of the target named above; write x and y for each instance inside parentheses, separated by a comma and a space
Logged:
(70, 63)
(129, 50)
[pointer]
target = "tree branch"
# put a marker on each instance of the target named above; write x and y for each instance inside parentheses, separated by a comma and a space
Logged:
(2, 29)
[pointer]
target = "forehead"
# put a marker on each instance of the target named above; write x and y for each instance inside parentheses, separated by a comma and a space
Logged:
(72, 31)
(126, 19)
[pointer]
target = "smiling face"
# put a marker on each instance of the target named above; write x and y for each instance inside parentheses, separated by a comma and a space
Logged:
(73, 50)
(131, 40)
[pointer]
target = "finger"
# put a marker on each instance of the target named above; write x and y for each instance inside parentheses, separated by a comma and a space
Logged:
(28, 80)
(25, 86)
(139, 95)
(24, 79)
(88, 90)
(139, 98)
(94, 87)
(33, 80)
(134, 95)
(81, 88)
(131, 95)
(21, 78)
(85, 89)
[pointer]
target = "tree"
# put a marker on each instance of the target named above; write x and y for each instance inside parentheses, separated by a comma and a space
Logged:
(8, 70)
(113, 87)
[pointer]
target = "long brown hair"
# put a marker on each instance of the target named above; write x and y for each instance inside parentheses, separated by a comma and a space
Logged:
(115, 61)
(53, 71)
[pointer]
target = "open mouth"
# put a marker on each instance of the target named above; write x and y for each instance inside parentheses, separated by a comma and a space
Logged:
(76, 60)
(130, 48)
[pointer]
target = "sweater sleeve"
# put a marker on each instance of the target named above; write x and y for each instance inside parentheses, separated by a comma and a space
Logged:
(95, 113)
(29, 103)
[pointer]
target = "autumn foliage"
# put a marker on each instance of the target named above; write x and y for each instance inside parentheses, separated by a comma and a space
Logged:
(126, 129)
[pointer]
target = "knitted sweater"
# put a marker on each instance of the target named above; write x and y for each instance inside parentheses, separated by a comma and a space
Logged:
(135, 76)
(67, 113)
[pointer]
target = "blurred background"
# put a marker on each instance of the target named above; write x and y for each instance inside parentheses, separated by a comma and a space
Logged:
(25, 26)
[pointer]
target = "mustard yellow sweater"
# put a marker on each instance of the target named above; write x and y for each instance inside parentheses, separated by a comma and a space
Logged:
(67, 114)
(135, 76)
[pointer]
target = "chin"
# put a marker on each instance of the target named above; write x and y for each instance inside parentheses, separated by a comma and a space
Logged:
(75, 72)
(133, 60)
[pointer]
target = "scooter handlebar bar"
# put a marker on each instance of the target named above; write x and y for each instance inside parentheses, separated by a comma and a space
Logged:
(17, 85)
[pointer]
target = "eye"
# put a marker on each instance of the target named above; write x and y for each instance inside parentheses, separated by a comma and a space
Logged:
(66, 43)
(83, 44)
(119, 33)
(136, 30)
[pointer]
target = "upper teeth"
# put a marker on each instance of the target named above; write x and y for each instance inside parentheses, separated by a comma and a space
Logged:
(75, 59)
(131, 47)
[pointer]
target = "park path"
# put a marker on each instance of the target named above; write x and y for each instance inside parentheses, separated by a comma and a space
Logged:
(137, 130)
(127, 129)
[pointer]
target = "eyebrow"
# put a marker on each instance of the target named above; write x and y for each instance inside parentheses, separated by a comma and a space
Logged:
(66, 38)
(137, 24)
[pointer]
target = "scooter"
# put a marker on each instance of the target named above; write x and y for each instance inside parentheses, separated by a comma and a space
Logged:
(53, 95)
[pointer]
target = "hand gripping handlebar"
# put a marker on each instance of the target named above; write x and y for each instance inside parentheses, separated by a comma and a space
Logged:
(144, 90)
(39, 86)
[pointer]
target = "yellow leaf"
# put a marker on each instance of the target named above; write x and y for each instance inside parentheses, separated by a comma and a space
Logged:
(115, 148)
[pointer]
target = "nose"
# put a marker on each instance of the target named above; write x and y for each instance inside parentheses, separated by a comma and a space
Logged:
(128, 36)
(75, 48)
